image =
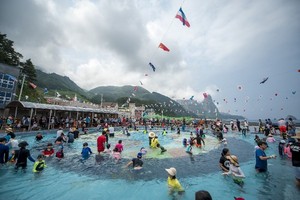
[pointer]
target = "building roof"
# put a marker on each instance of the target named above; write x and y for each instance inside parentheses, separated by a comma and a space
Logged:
(26, 104)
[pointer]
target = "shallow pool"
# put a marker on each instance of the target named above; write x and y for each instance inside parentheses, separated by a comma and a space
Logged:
(103, 178)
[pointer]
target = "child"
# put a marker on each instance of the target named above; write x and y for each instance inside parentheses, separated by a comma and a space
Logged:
(143, 151)
(136, 163)
(119, 146)
(189, 149)
(107, 150)
(256, 139)
(287, 150)
(225, 128)
(60, 152)
(39, 136)
(86, 151)
(235, 170)
(178, 130)
(270, 138)
(49, 151)
(184, 142)
(164, 133)
(281, 147)
(116, 154)
(199, 141)
(173, 183)
(39, 165)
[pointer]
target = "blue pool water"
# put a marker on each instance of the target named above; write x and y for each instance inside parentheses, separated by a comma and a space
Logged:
(102, 178)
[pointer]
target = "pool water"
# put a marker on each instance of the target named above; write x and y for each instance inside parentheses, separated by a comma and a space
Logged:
(103, 178)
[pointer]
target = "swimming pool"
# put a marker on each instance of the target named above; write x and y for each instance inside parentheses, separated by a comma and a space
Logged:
(105, 179)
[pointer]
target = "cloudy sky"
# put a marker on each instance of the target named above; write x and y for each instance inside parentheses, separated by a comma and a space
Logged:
(229, 48)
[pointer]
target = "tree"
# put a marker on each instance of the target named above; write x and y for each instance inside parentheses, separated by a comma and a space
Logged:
(8, 55)
(29, 70)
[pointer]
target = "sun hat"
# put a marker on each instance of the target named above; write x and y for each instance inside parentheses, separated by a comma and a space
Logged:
(152, 134)
(9, 129)
(297, 135)
(270, 135)
(171, 171)
(233, 159)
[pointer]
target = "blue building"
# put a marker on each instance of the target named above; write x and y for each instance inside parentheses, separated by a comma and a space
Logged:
(8, 83)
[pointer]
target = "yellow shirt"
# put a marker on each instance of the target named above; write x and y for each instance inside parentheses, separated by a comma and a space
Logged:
(154, 142)
(174, 184)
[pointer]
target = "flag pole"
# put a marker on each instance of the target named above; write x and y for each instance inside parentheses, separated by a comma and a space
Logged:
(21, 90)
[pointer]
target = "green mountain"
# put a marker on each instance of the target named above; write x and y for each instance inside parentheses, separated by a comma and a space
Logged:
(56, 82)
(123, 95)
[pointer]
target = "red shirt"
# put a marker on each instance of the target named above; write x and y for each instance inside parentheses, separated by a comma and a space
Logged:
(101, 143)
(48, 152)
(119, 147)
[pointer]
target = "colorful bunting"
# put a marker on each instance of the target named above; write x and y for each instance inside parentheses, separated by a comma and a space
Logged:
(163, 47)
(181, 16)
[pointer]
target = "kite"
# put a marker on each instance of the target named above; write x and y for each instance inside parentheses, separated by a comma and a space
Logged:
(205, 95)
(276, 94)
(298, 70)
(294, 92)
(151, 65)
(163, 47)
(135, 88)
(239, 87)
(191, 97)
(141, 82)
(218, 90)
(146, 74)
(181, 16)
(264, 80)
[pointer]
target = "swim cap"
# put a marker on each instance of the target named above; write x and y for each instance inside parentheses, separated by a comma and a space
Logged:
(139, 155)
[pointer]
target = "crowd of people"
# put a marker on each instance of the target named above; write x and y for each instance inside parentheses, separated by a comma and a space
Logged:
(14, 151)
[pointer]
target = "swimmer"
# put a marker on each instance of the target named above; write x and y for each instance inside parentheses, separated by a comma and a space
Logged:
(136, 163)
(189, 149)
(21, 156)
(224, 163)
(49, 151)
(39, 165)
(235, 170)
(119, 146)
(143, 151)
(173, 183)
(39, 136)
(60, 152)
(86, 151)
(116, 154)
(184, 142)
(203, 195)
(155, 144)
